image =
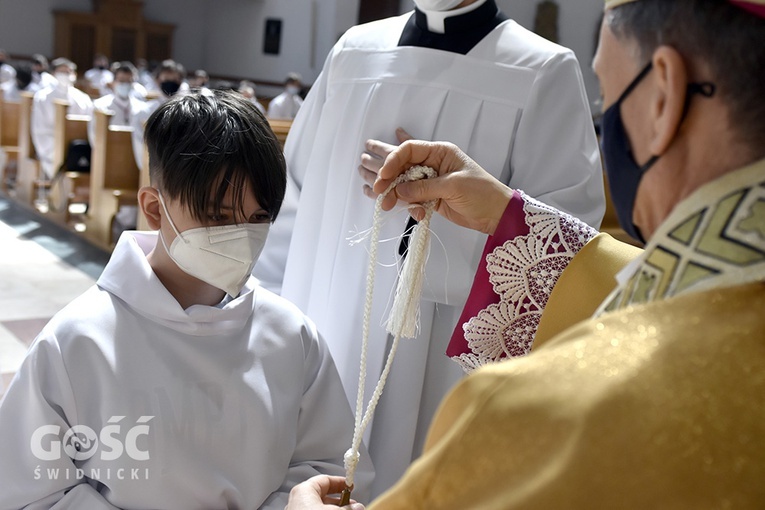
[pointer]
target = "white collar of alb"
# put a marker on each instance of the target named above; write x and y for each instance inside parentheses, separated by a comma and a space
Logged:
(436, 19)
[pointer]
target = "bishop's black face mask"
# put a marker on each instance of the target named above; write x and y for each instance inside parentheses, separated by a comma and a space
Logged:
(624, 173)
(169, 88)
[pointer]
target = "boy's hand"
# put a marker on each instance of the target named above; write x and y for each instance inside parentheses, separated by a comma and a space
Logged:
(319, 493)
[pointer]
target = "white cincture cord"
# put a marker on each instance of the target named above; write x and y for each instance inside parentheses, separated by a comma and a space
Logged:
(404, 313)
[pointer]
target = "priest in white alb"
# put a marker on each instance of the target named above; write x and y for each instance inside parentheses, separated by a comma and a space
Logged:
(454, 71)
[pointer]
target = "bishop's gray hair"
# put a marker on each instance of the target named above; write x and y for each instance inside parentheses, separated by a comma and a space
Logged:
(726, 38)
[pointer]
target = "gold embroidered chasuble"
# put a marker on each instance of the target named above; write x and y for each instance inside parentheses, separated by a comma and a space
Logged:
(657, 402)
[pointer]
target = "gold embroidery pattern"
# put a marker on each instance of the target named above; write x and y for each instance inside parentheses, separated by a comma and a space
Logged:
(720, 243)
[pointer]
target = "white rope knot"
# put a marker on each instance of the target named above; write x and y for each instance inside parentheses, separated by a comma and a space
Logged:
(405, 311)
(351, 459)
(418, 172)
(415, 173)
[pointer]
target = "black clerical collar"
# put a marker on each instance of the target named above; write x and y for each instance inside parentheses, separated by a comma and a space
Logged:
(462, 31)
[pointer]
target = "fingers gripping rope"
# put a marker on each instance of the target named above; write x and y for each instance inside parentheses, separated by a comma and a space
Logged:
(404, 312)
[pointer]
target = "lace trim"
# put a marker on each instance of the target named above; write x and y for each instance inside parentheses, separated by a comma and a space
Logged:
(523, 272)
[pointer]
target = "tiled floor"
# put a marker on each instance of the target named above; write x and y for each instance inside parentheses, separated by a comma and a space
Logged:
(42, 268)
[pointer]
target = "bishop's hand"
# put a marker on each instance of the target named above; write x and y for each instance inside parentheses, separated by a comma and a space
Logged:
(468, 195)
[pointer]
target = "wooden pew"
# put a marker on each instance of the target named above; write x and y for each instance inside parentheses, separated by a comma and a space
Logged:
(280, 128)
(9, 140)
(130, 198)
(9, 122)
(28, 165)
(75, 186)
(114, 178)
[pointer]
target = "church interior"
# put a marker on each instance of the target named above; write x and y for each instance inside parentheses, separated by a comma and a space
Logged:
(287, 254)
(52, 256)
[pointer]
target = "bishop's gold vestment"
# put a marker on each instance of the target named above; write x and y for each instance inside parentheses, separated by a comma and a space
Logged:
(656, 402)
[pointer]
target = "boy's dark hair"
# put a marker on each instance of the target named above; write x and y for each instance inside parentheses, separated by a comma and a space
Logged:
(725, 37)
(201, 143)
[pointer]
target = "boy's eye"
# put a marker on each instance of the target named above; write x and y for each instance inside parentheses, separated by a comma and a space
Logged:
(217, 218)
(260, 218)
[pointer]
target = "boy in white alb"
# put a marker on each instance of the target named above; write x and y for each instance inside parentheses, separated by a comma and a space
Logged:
(176, 382)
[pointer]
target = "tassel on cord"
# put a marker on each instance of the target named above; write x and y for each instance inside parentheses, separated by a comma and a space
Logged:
(404, 314)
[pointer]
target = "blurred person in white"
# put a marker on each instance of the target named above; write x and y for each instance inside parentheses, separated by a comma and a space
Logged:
(22, 82)
(40, 74)
(145, 77)
(137, 91)
(122, 101)
(287, 104)
(7, 71)
(458, 71)
(248, 90)
(99, 76)
(168, 82)
(43, 110)
(168, 79)
(198, 79)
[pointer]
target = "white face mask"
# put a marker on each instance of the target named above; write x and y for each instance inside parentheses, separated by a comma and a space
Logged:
(292, 89)
(123, 89)
(437, 5)
(220, 256)
(64, 79)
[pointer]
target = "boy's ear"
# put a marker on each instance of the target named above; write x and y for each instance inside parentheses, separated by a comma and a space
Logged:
(148, 201)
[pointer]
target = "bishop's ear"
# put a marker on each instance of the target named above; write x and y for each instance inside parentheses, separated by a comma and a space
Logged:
(148, 201)
(670, 76)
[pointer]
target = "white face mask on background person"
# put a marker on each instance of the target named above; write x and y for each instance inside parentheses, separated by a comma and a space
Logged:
(122, 90)
(64, 79)
(292, 89)
(437, 5)
(221, 256)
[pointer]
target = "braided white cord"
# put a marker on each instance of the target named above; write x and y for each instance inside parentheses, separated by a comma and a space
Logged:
(415, 262)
